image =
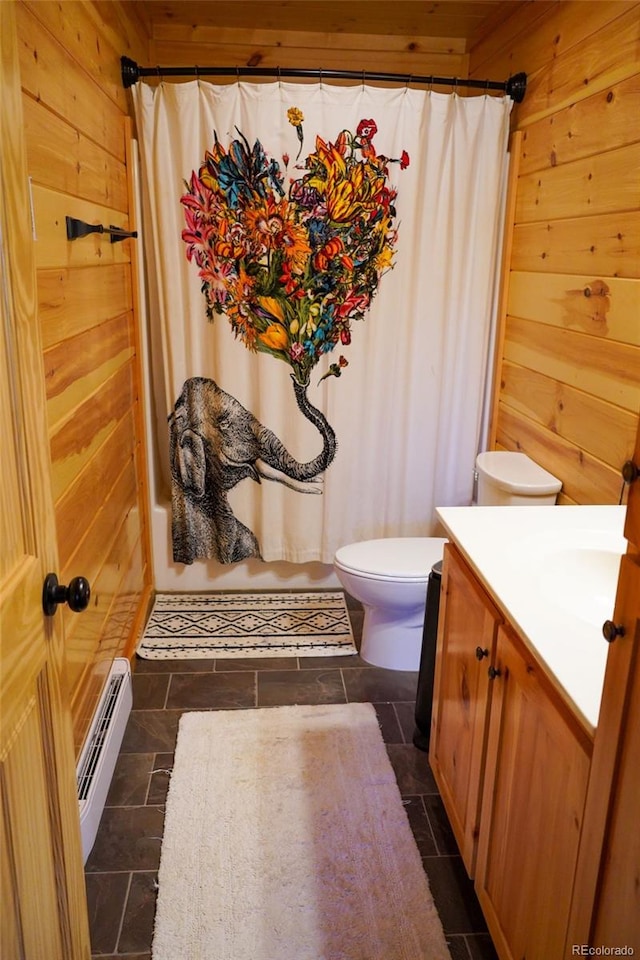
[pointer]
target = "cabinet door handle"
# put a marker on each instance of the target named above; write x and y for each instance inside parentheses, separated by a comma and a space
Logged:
(611, 630)
(480, 653)
(493, 673)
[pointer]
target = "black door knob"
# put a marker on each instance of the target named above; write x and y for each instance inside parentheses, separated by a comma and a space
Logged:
(630, 471)
(480, 653)
(611, 630)
(76, 595)
(493, 673)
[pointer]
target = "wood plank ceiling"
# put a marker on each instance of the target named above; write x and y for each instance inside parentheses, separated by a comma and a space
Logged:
(467, 20)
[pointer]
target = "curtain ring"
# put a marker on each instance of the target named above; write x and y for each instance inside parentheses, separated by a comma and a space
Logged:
(197, 73)
(237, 73)
(279, 77)
(455, 86)
(363, 78)
(486, 88)
(159, 72)
(409, 79)
(320, 72)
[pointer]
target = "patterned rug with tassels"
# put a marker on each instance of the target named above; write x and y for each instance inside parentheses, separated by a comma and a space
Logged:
(227, 625)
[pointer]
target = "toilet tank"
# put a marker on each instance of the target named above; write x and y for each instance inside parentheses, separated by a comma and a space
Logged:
(507, 478)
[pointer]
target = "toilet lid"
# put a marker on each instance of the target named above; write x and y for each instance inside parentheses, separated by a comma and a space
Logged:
(401, 558)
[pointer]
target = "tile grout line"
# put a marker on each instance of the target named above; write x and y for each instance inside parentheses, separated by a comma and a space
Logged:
(344, 686)
(431, 830)
(166, 696)
(124, 910)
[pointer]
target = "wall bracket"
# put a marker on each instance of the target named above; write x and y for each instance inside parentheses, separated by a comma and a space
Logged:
(78, 228)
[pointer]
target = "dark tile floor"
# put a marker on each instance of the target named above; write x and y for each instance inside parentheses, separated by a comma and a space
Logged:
(121, 872)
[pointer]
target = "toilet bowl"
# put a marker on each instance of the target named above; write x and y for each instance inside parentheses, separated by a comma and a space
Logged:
(389, 576)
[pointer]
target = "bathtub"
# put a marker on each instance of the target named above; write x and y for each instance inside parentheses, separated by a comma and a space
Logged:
(204, 575)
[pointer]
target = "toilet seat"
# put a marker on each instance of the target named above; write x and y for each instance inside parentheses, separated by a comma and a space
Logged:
(400, 558)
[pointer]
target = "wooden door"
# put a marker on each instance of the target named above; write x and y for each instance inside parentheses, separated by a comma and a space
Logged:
(42, 893)
(617, 914)
(538, 757)
(466, 639)
(606, 903)
(616, 920)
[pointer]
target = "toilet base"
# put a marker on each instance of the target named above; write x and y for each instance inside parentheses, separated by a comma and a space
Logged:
(390, 643)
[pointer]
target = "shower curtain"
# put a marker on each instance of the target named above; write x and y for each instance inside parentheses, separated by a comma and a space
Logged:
(322, 263)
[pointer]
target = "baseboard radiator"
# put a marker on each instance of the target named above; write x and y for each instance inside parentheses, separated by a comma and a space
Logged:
(100, 751)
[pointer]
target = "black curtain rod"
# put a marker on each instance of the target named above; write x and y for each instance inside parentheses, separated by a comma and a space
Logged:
(515, 87)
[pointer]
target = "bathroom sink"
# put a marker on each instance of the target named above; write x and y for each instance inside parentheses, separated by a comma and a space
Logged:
(577, 573)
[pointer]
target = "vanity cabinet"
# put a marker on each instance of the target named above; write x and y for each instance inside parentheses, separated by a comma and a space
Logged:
(511, 761)
(535, 783)
(467, 628)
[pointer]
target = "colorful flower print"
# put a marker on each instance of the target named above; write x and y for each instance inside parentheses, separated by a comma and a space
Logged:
(292, 270)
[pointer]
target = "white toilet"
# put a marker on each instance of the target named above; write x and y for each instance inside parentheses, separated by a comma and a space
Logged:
(389, 576)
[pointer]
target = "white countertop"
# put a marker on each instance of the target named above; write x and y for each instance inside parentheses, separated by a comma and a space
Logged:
(553, 572)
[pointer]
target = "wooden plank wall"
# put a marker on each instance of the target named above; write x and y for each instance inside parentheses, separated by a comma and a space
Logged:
(570, 369)
(178, 45)
(75, 128)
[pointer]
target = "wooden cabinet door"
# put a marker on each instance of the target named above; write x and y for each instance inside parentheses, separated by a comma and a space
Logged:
(535, 784)
(42, 893)
(467, 628)
(606, 903)
(616, 918)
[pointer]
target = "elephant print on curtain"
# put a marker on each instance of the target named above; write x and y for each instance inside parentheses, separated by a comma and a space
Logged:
(214, 443)
(291, 267)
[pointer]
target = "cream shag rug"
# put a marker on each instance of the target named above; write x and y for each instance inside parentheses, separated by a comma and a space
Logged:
(286, 839)
(227, 625)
